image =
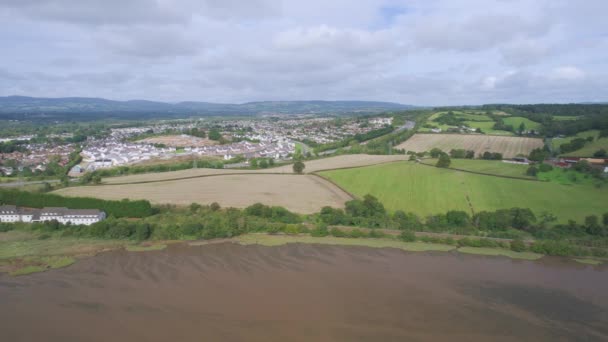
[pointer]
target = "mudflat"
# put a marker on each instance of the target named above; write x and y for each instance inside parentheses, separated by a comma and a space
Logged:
(300, 292)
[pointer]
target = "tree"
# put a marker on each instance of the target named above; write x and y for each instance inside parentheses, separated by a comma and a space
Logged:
(254, 163)
(532, 171)
(96, 179)
(601, 153)
(522, 128)
(214, 134)
(444, 161)
(263, 163)
(298, 167)
(435, 152)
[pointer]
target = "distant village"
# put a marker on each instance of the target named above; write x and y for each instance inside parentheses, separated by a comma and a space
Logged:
(266, 138)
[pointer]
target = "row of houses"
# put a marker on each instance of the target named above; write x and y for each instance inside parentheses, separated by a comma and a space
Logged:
(12, 214)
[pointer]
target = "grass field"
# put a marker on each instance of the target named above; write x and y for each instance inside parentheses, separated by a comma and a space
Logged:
(343, 161)
(302, 194)
(569, 177)
(557, 142)
(515, 121)
(590, 148)
(487, 127)
(428, 190)
(508, 146)
(492, 167)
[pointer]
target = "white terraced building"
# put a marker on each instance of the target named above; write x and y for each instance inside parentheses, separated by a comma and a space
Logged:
(11, 214)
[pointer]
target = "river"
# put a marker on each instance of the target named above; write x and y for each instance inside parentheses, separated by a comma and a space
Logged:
(229, 292)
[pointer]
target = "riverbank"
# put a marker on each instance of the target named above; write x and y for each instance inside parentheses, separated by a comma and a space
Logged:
(278, 240)
(26, 252)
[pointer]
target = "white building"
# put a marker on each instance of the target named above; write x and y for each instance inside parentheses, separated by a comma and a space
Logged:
(11, 213)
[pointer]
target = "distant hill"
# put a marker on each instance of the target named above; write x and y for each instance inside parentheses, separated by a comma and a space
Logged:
(82, 108)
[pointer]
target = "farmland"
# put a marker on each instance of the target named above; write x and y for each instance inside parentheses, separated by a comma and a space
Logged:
(589, 148)
(344, 161)
(508, 146)
(491, 167)
(302, 194)
(516, 121)
(426, 190)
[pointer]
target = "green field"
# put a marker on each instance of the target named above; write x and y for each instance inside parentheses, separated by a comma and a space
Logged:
(590, 148)
(428, 190)
(557, 142)
(487, 127)
(493, 167)
(515, 121)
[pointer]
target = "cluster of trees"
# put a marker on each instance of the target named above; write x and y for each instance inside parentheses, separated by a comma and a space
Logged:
(449, 119)
(575, 144)
(351, 140)
(12, 146)
(590, 116)
(124, 208)
(262, 163)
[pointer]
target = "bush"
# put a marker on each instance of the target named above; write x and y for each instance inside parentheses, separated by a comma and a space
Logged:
(532, 171)
(444, 161)
(545, 168)
(407, 236)
(518, 245)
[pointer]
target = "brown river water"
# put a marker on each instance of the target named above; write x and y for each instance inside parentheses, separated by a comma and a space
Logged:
(228, 292)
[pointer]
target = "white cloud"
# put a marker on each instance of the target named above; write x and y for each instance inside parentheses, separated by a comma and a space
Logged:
(410, 51)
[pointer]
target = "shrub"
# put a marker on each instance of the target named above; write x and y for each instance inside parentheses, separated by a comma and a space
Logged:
(518, 245)
(407, 236)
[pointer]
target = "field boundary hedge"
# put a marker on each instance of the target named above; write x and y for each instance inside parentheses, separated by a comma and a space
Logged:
(483, 173)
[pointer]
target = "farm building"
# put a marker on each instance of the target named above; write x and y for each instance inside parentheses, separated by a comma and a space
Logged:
(11, 213)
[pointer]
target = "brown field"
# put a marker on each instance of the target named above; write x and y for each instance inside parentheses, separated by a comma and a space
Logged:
(303, 194)
(179, 141)
(508, 146)
(351, 160)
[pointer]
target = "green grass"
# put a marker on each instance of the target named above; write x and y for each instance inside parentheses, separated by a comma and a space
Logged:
(139, 248)
(568, 177)
(500, 252)
(279, 240)
(515, 121)
(493, 167)
(557, 142)
(589, 261)
(40, 264)
(426, 190)
(590, 148)
(31, 246)
(487, 127)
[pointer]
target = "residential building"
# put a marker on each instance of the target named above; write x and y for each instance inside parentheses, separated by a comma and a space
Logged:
(11, 213)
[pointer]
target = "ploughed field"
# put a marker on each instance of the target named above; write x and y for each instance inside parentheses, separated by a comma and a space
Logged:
(426, 190)
(344, 161)
(298, 193)
(508, 146)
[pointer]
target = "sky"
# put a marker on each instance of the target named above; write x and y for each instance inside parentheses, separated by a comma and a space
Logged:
(420, 52)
